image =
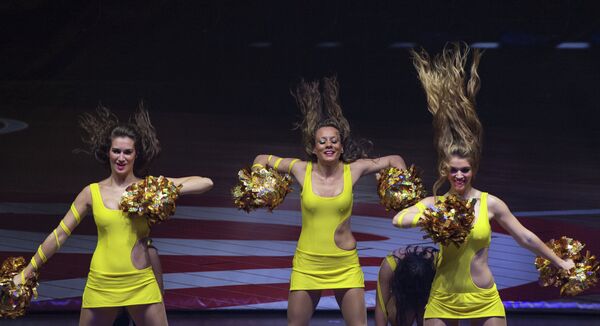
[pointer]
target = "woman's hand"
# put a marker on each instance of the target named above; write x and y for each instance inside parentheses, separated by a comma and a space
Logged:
(567, 264)
(18, 280)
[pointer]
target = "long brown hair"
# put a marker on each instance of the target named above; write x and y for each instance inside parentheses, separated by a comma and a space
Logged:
(451, 100)
(322, 108)
(101, 127)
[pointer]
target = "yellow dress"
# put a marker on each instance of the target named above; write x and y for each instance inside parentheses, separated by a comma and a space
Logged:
(454, 295)
(113, 281)
(318, 262)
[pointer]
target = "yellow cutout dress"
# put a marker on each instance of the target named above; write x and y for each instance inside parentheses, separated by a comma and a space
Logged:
(318, 262)
(113, 281)
(454, 295)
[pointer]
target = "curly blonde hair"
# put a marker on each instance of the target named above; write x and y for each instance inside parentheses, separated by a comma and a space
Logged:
(451, 100)
(101, 128)
(322, 108)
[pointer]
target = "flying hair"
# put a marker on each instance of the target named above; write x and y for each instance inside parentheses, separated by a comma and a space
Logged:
(320, 106)
(451, 93)
(102, 126)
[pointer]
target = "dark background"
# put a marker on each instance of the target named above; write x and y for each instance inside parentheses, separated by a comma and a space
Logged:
(216, 76)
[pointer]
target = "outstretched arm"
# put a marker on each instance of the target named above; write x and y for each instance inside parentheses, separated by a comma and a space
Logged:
(59, 235)
(409, 217)
(524, 237)
(282, 164)
(368, 166)
(193, 185)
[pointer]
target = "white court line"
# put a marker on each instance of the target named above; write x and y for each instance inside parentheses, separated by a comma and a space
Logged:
(511, 264)
(558, 212)
(58, 208)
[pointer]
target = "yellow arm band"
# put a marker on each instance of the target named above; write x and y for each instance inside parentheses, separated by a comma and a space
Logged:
(392, 262)
(65, 228)
(34, 264)
(269, 159)
(292, 164)
(418, 216)
(380, 299)
(393, 265)
(276, 165)
(56, 238)
(23, 277)
(75, 213)
(41, 254)
(257, 165)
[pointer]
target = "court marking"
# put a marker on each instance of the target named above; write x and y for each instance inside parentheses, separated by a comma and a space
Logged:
(504, 252)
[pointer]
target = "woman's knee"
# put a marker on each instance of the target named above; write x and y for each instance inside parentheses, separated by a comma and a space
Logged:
(301, 306)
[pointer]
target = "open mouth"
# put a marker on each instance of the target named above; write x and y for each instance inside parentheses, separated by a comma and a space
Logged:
(120, 166)
(329, 152)
(459, 183)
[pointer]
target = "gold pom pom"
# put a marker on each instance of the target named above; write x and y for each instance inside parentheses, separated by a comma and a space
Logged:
(260, 188)
(399, 189)
(449, 221)
(571, 282)
(153, 197)
(14, 299)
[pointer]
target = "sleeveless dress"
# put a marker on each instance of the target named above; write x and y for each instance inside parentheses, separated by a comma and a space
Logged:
(318, 262)
(454, 295)
(113, 281)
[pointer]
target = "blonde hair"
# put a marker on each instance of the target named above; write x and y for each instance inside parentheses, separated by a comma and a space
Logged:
(451, 100)
(322, 108)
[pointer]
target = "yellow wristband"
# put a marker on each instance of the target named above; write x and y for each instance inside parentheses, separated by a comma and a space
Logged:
(269, 159)
(257, 165)
(276, 165)
(34, 264)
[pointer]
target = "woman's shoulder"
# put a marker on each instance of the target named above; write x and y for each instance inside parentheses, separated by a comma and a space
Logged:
(494, 203)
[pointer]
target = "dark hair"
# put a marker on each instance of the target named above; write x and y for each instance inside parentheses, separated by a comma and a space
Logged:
(322, 108)
(412, 280)
(101, 128)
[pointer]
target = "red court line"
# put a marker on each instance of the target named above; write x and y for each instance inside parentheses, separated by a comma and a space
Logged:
(200, 298)
(67, 265)
(176, 228)
(369, 209)
(534, 292)
(234, 295)
(61, 266)
(183, 264)
(547, 229)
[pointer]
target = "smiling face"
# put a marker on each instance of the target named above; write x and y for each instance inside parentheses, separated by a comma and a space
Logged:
(460, 174)
(122, 155)
(328, 144)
